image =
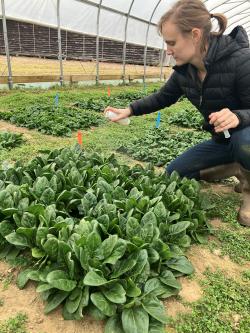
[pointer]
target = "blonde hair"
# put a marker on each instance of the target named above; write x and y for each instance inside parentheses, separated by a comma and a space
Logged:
(189, 14)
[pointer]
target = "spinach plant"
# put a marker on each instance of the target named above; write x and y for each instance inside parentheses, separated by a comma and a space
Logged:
(9, 140)
(104, 238)
(160, 146)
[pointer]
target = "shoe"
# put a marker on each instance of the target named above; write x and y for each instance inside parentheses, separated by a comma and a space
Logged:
(244, 212)
(221, 172)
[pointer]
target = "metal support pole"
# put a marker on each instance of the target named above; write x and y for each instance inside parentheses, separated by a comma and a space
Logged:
(6, 44)
(146, 44)
(97, 42)
(59, 41)
(125, 44)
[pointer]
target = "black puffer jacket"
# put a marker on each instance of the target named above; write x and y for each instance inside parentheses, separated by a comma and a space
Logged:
(227, 83)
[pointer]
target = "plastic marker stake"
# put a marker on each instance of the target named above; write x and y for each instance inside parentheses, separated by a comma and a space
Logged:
(57, 99)
(158, 120)
(109, 92)
(226, 134)
(79, 137)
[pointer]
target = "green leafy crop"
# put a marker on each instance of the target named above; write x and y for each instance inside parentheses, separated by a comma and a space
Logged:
(59, 121)
(160, 146)
(10, 140)
(106, 239)
(99, 104)
(190, 118)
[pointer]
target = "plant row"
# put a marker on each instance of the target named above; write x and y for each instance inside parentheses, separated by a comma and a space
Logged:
(103, 238)
(59, 121)
(187, 117)
(99, 104)
(160, 146)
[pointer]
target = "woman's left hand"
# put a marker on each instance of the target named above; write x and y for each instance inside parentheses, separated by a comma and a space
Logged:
(223, 120)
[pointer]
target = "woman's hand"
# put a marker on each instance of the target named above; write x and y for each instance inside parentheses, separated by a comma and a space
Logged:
(223, 120)
(121, 113)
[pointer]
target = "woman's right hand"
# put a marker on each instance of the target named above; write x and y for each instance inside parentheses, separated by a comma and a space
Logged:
(121, 113)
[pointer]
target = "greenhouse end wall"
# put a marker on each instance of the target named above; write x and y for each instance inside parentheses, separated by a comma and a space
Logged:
(40, 41)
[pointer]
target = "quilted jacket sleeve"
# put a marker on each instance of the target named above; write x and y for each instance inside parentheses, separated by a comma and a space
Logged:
(243, 89)
(166, 96)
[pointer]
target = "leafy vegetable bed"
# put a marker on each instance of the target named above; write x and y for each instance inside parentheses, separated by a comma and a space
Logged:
(161, 146)
(60, 121)
(99, 104)
(10, 140)
(105, 238)
(189, 118)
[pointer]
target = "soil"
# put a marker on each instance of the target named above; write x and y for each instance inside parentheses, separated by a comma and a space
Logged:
(28, 301)
(5, 126)
(35, 66)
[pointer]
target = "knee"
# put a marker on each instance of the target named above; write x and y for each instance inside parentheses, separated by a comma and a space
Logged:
(241, 147)
(183, 172)
(244, 150)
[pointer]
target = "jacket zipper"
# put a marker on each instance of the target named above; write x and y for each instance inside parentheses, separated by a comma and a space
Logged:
(201, 93)
(200, 99)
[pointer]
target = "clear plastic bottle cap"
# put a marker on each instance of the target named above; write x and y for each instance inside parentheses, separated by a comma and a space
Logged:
(112, 115)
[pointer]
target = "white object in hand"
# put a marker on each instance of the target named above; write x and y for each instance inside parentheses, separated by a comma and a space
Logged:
(112, 115)
(226, 134)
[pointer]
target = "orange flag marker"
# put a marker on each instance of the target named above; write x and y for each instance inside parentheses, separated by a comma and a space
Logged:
(109, 92)
(79, 137)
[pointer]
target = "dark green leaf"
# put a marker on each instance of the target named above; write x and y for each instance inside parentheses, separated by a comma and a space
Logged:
(135, 320)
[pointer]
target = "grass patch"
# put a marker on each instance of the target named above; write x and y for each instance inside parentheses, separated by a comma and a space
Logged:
(14, 324)
(6, 281)
(234, 244)
(233, 240)
(246, 275)
(225, 207)
(224, 307)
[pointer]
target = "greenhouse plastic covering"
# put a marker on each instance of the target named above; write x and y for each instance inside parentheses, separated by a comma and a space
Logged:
(141, 16)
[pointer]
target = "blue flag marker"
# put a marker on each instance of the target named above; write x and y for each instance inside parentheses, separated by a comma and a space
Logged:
(158, 120)
(57, 99)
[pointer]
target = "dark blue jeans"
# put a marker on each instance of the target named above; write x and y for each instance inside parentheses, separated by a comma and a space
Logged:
(210, 153)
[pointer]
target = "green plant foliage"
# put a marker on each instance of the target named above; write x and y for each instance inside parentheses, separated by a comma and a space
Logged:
(99, 104)
(15, 324)
(160, 146)
(10, 140)
(224, 307)
(236, 245)
(189, 118)
(59, 121)
(105, 238)
(225, 207)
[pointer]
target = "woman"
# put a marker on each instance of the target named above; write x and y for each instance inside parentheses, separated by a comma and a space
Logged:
(213, 71)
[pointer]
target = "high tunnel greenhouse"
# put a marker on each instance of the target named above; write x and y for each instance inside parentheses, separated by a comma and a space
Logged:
(114, 31)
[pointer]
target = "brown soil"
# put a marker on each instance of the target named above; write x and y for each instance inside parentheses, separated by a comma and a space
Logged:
(202, 259)
(5, 126)
(28, 301)
(36, 66)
